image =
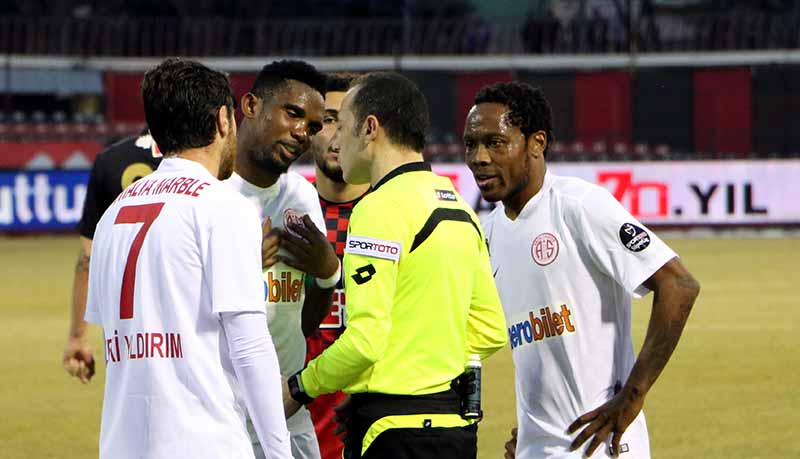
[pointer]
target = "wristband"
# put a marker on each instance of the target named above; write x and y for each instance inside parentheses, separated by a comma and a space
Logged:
(331, 281)
(296, 389)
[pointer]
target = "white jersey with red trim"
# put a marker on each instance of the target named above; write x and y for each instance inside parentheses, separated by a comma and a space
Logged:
(291, 197)
(566, 269)
(175, 250)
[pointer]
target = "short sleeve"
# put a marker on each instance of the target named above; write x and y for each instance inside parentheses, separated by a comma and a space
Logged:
(232, 266)
(92, 206)
(619, 244)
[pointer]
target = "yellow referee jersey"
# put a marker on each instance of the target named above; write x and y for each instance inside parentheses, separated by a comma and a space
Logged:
(419, 288)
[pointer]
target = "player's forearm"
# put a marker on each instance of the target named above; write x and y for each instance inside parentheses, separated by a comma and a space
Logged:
(80, 288)
(316, 306)
(673, 299)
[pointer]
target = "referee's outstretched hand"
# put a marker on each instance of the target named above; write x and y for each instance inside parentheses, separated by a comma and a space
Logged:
(309, 249)
(612, 418)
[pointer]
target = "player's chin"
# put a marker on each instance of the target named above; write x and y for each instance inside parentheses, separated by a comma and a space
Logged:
(492, 193)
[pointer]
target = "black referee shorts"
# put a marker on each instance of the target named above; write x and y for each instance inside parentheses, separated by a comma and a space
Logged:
(409, 427)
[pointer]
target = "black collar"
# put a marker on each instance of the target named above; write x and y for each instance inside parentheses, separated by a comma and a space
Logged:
(408, 167)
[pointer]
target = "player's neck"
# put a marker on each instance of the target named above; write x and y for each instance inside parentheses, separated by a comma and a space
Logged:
(514, 204)
(254, 174)
(389, 158)
(201, 155)
(333, 191)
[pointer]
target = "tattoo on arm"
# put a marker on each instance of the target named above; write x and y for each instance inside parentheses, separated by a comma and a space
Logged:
(82, 266)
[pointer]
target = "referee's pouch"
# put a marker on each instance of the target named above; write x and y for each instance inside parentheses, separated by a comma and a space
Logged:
(394, 422)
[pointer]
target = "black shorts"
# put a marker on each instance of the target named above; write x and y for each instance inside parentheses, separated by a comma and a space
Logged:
(406, 427)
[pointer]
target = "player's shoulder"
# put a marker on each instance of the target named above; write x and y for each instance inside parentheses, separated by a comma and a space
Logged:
(576, 192)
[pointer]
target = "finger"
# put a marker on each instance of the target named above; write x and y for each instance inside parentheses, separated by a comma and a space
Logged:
(299, 251)
(615, 440)
(585, 419)
(598, 440)
(514, 433)
(308, 229)
(269, 251)
(266, 227)
(294, 263)
(71, 366)
(81, 373)
(269, 262)
(586, 433)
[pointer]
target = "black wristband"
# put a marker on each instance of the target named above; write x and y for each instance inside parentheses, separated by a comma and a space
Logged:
(296, 390)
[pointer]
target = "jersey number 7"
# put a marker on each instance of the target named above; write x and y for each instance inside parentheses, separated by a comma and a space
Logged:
(147, 214)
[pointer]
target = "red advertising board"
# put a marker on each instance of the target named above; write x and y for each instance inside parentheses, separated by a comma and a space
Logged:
(49, 154)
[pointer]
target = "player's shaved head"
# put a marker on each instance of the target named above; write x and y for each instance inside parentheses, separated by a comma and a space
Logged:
(275, 75)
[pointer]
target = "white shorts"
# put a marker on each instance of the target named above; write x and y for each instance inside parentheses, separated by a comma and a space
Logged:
(301, 435)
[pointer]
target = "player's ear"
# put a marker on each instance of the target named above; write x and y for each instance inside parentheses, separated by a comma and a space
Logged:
(537, 143)
(225, 122)
(370, 127)
(250, 105)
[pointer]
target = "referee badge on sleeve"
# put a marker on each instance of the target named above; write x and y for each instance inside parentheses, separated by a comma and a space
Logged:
(376, 248)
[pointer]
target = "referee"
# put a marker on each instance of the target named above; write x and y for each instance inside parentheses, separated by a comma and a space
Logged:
(419, 288)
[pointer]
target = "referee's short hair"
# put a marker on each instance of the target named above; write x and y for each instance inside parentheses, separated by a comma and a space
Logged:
(181, 101)
(275, 75)
(527, 106)
(398, 104)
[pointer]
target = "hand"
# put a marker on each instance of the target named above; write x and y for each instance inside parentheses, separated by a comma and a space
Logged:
(612, 418)
(511, 445)
(290, 405)
(342, 416)
(78, 359)
(310, 250)
(270, 243)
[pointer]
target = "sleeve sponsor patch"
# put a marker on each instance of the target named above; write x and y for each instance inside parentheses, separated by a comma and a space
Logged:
(446, 195)
(633, 237)
(376, 248)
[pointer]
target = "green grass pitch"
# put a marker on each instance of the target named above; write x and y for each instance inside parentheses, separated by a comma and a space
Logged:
(732, 389)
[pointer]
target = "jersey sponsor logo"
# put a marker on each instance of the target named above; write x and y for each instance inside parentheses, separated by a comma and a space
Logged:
(633, 237)
(376, 248)
(284, 288)
(547, 325)
(544, 249)
(364, 274)
(446, 195)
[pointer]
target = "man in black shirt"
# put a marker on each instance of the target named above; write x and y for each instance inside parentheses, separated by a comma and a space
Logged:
(114, 169)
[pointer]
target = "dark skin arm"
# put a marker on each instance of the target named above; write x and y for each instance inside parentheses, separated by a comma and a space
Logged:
(675, 291)
(311, 253)
(315, 307)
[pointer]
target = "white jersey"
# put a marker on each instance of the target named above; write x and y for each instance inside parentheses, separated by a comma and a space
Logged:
(566, 269)
(175, 250)
(290, 197)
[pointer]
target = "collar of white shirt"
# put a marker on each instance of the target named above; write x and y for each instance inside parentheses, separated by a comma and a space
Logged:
(173, 165)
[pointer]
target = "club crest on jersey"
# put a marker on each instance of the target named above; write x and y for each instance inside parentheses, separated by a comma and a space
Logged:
(633, 237)
(376, 248)
(544, 249)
